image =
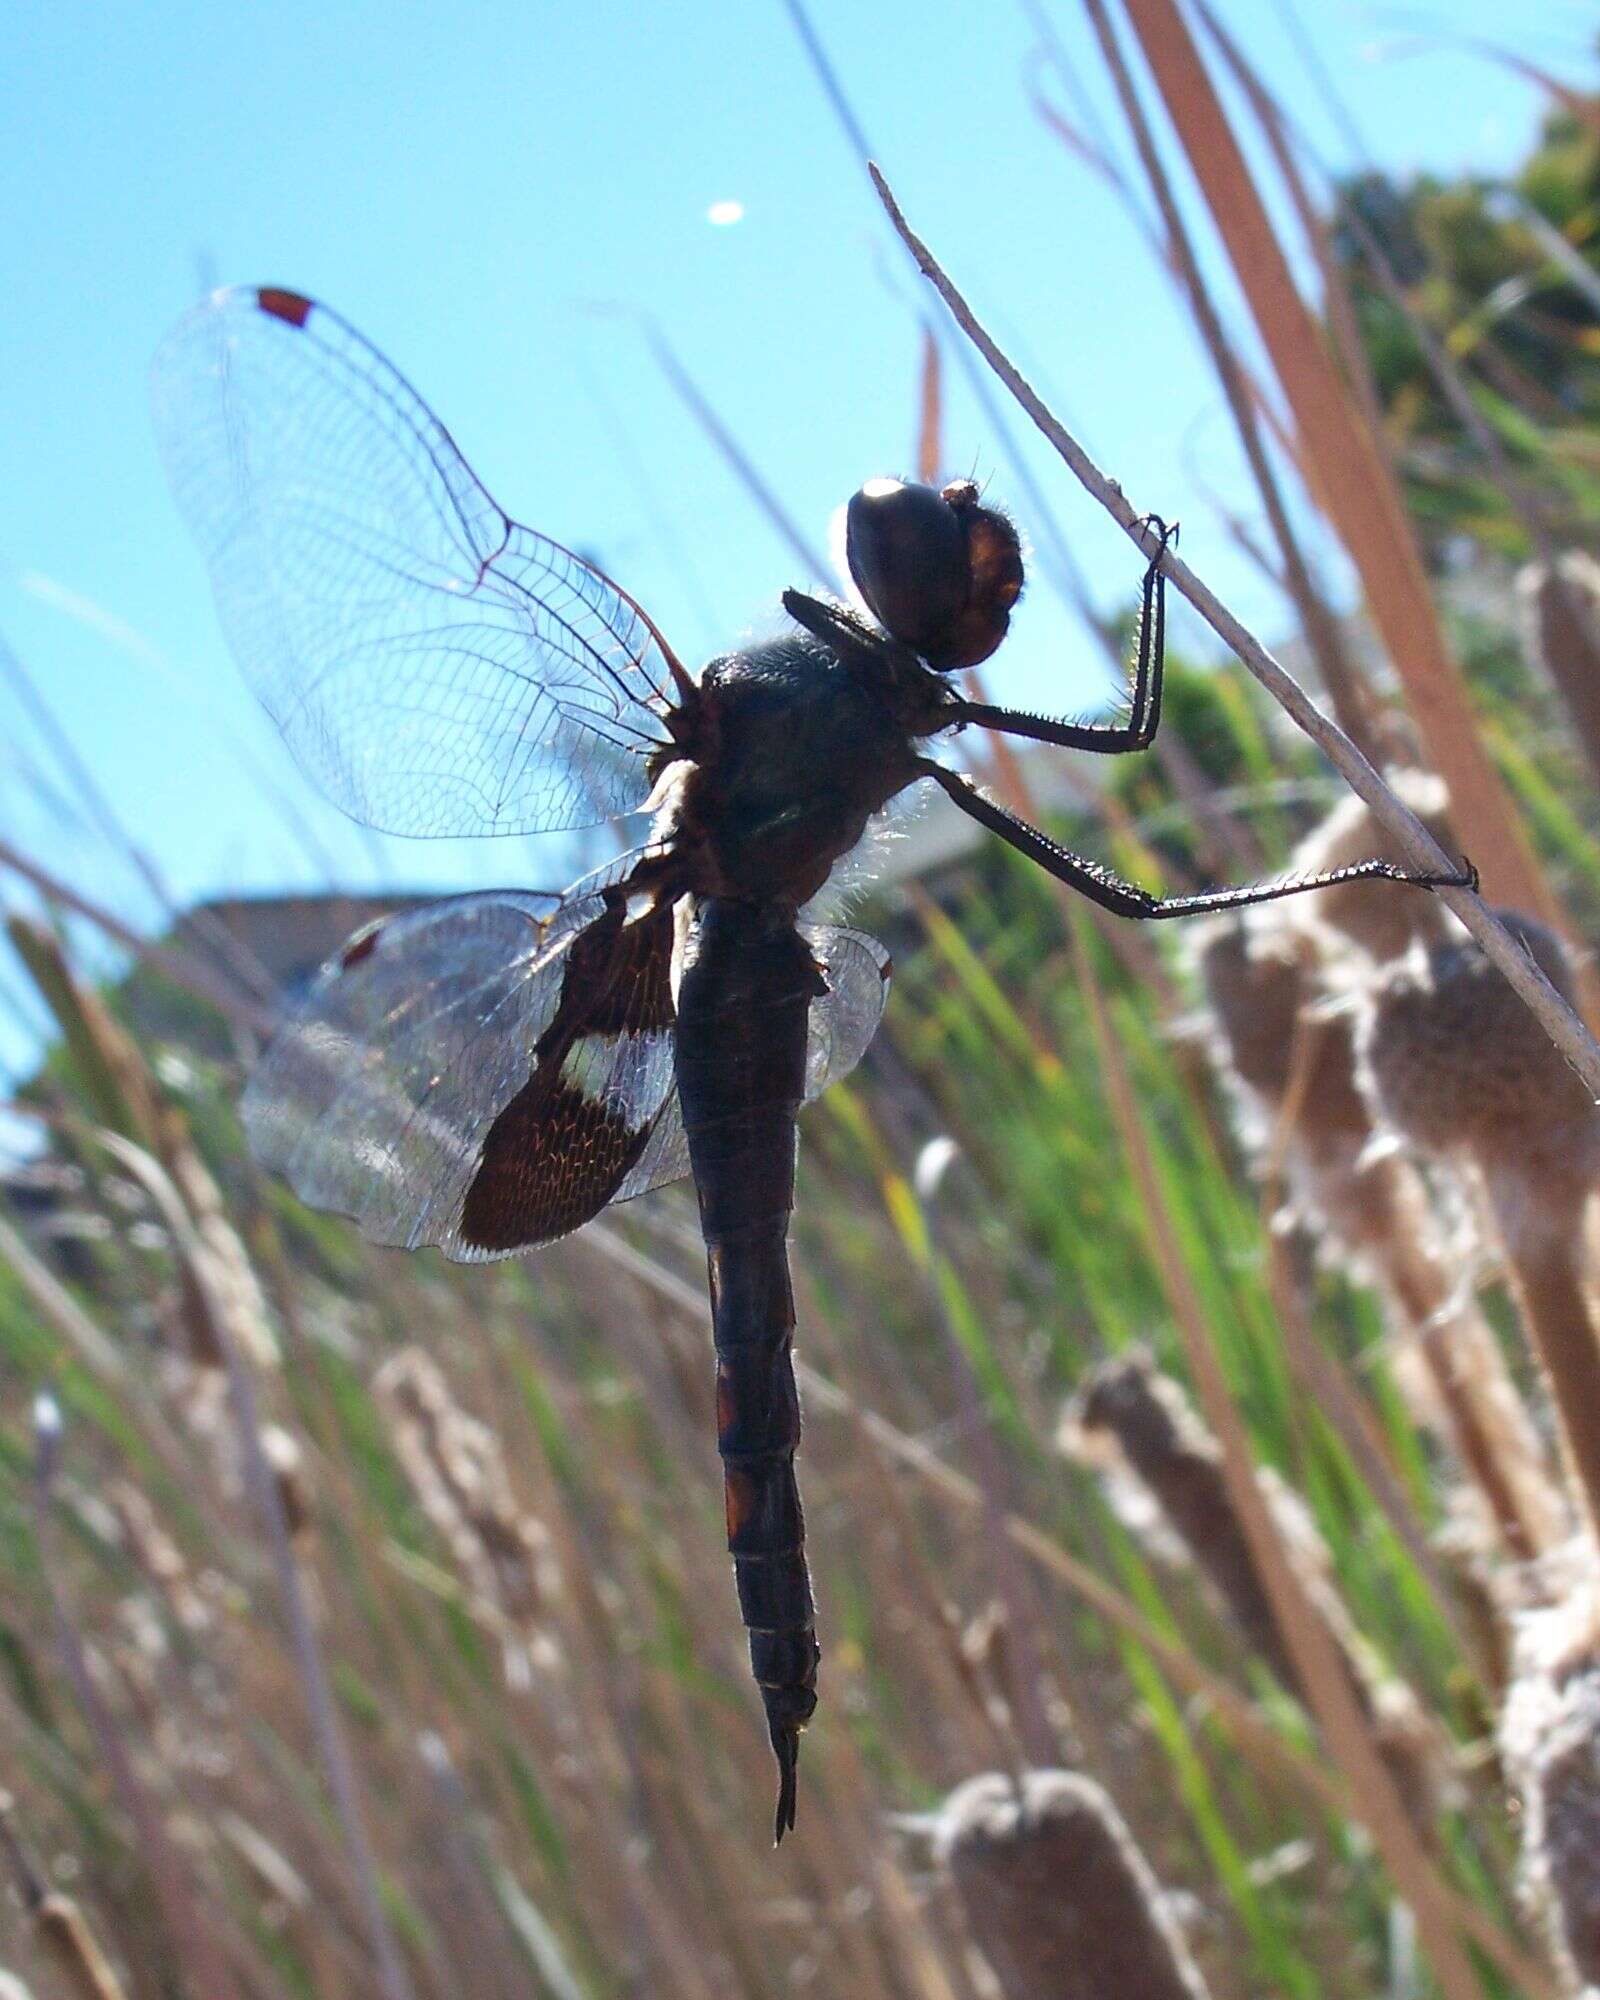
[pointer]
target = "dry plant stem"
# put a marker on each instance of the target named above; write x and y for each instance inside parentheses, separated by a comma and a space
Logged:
(1563, 624)
(699, 407)
(1255, 1735)
(1039, 1740)
(267, 1498)
(1388, 1217)
(1352, 701)
(253, 976)
(1362, 499)
(1492, 1431)
(61, 1927)
(1318, 1667)
(1562, 253)
(1216, 829)
(1337, 302)
(1326, 1384)
(188, 1928)
(97, 1353)
(1546, 1267)
(1414, 842)
(180, 966)
(75, 1950)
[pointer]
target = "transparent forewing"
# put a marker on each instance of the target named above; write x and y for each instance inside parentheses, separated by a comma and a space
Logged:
(379, 1099)
(845, 1019)
(841, 1023)
(435, 668)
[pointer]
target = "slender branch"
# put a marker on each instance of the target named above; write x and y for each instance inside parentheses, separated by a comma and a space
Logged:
(1415, 843)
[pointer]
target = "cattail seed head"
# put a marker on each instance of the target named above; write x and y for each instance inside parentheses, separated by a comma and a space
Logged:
(1379, 917)
(1165, 1443)
(1558, 614)
(1550, 1735)
(1257, 982)
(1458, 1062)
(1057, 1896)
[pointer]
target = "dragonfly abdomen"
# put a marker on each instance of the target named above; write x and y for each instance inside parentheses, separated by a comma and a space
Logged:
(741, 1057)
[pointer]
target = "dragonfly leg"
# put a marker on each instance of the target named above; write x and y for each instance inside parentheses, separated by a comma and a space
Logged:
(1126, 899)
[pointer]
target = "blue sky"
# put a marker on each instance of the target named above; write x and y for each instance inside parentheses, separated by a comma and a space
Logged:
(465, 182)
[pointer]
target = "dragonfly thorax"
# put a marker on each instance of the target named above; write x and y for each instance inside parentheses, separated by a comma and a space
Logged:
(802, 747)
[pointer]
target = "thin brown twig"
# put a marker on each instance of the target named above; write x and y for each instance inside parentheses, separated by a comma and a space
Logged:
(1415, 843)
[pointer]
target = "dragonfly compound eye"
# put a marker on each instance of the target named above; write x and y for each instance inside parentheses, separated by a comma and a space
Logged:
(937, 570)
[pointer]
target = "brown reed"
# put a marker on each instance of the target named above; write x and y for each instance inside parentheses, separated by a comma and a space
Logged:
(458, 1471)
(1550, 1737)
(1290, 1057)
(1057, 1895)
(61, 1930)
(1553, 1010)
(1558, 607)
(1361, 496)
(1455, 1070)
(1129, 1402)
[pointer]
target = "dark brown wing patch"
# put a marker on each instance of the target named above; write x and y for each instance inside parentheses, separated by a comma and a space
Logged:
(563, 1146)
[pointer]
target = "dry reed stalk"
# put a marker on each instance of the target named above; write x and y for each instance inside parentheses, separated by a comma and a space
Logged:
(159, 1559)
(267, 1498)
(188, 1926)
(1218, 833)
(457, 1470)
(1256, 1737)
(1298, 1076)
(128, 1098)
(1554, 1013)
(1318, 1665)
(1362, 499)
(698, 404)
(1148, 1419)
(1343, 320)
(1352, 699)
(60, 1929)
(1056, 1894)
(114, 1076)
(184, 968)
(1550, 1736)
(1558, 605)
(1457, 1069)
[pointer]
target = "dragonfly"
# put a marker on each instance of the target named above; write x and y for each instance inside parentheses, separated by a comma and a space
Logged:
(487, 1073)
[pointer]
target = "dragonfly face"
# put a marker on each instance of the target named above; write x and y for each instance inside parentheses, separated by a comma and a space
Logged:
(487, 1073)
(940, 572)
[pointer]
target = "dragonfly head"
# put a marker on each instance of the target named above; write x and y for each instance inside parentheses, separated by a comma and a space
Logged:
(939, 571)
